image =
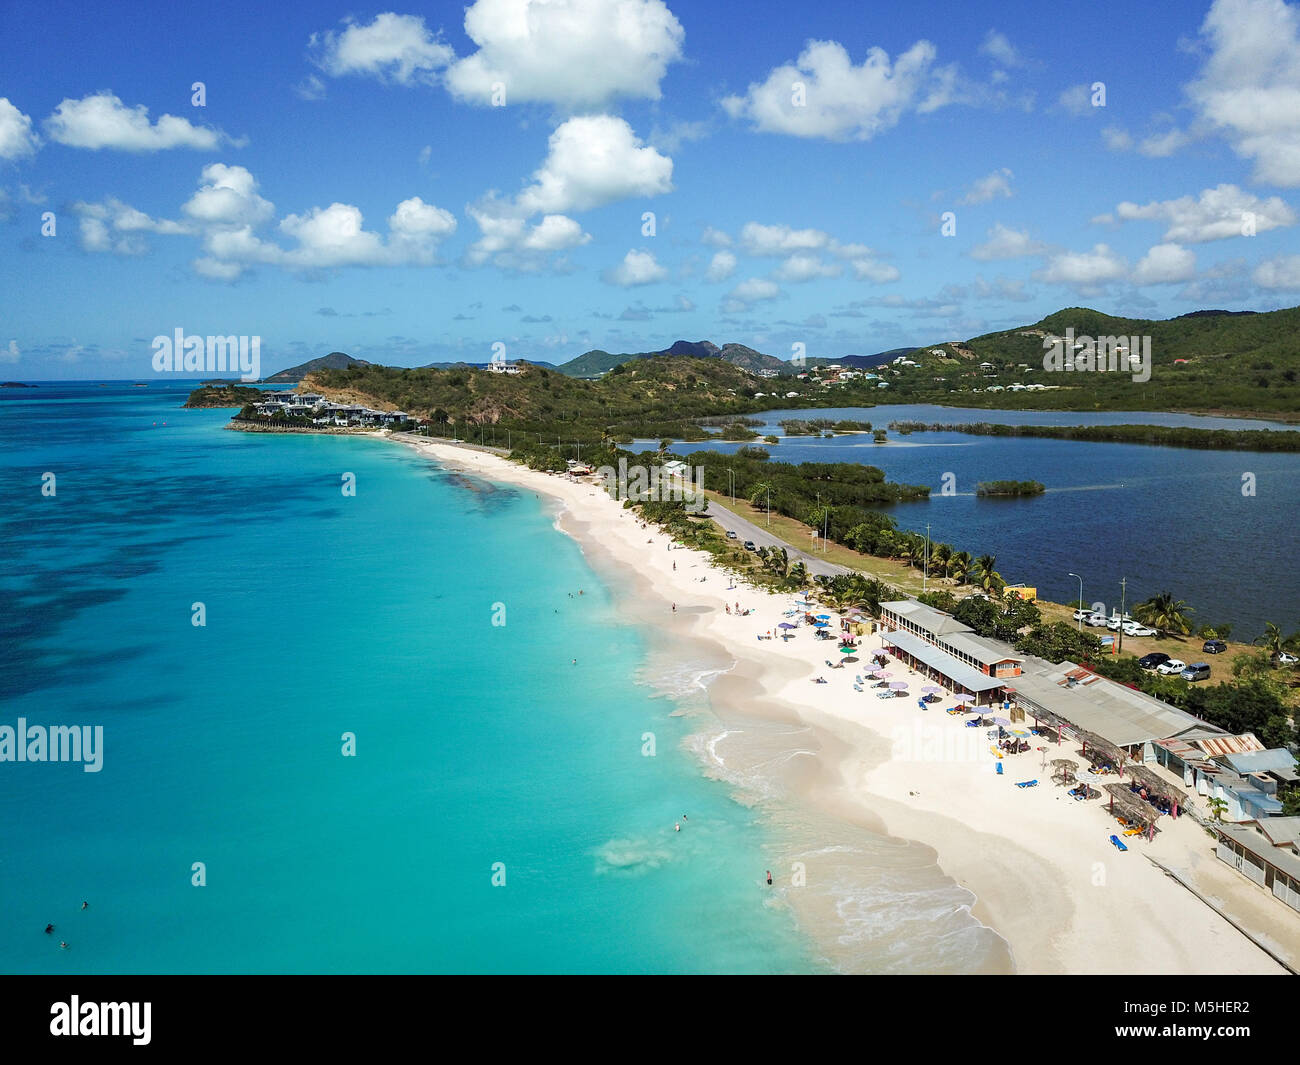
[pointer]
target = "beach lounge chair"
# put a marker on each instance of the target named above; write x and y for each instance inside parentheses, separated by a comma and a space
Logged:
(1027, 783)
(1132, 831)
(999, 769)
(1119, 843)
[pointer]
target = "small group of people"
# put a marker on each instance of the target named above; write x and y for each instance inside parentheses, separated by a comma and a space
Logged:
(49, 928)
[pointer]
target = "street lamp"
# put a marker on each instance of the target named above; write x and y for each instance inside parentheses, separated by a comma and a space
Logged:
(1080, 579)
(1123, 592)
(925, 573)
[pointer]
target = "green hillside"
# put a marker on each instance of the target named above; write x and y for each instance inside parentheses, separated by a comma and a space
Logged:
(1206, 361)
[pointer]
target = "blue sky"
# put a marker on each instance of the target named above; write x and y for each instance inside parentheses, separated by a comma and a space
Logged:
(350, 184)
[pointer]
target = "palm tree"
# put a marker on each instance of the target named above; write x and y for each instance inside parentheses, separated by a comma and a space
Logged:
(990, 580)
(914, 550)
(1218, 807)
(758, 494)
(959, 566)
(1165, 613)
(941, 559)
(798, 575)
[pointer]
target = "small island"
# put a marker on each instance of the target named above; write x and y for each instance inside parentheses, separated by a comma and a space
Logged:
(15, 384)
(1010, 488)
(223, 395)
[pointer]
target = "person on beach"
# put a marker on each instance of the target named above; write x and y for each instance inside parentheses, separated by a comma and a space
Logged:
(674, 567)
(769, 878)
(674, 608)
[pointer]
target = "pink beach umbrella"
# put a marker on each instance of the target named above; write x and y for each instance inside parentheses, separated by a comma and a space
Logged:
(898, 685)
(932, 688)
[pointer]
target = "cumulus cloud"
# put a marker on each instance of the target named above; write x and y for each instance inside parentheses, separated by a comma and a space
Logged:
(1086, 269)
(637, 268)
(392, 48)
(715, 238)
(1282, 273)
(755, 290)
(117, 227)
(1003, 242)
(1165, 263)
(804, 267)
(593, 160)
(1249, 87)
(573, 53)
(843, 101)
(11, 353)
(989, 187)
(1077, 100)
(998, 48)
(227, 195)
(1216, 214)
(16, 137)
(102, 120)
(1116, 139)
(508, 239)
(759, 239)
(722, 266)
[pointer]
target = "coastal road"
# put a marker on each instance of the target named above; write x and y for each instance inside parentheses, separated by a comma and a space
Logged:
(747, 530)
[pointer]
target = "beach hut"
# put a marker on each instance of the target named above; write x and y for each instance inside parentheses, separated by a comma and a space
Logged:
(1158, 787)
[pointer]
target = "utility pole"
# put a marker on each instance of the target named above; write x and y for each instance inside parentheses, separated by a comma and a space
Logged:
(769, 508)
(1079, 623)
(925, 574)
(1123, 592)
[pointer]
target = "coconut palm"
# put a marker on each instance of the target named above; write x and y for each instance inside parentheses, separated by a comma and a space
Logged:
(798, 575)
(1218, 807)
(1274, 642)
(1164, 613)
(959, 567)
(941, 559)
(989, 579)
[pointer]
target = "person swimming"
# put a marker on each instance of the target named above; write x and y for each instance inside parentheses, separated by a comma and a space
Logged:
(677, 826)
(85, 905)
(769, 878)
(49, 928)
(63, 944)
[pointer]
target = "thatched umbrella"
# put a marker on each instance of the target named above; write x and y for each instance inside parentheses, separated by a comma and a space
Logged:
(1157, 785)
(1063, 770)
(1097, 749)
(1127, 805)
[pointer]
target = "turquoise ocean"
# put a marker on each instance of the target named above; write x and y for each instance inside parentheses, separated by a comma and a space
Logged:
(481, 750)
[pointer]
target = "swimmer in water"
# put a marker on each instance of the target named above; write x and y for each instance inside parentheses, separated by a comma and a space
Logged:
(63, 944)
(769, 878)
(49, 928)
(85, 905)
(677, 826)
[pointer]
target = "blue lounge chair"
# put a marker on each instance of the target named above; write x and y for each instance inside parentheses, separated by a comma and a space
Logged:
(999, 769)
(1119, 843)
(1027, 783)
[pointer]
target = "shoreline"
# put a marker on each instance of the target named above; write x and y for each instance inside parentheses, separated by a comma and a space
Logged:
(1039, 867)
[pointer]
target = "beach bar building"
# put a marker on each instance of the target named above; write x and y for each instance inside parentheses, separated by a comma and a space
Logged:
(943, 648)
(1275, 869)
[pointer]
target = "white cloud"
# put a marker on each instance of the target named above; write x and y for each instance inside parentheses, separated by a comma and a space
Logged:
(1281, 273)
(1077, 100)
(1215, 214)
(759, 239)
(804, 267)
(715, 238)
(227, 195)
(1165, 263)
(721, 267)
(508, 241)
(114, 226)
(637, 268)
(568, 52)
(103, 121)
(842, 101)
(1085, 269)
(16, 137)
(594, 160)
(989, 188)
(310, 88)
(397, 48)
(555, 232)
(998, 48)
(1249, 87)
(1163, 145)
(870, 270)
(1006, 243)
(10, 353)
(755, 290)
(1116, 139)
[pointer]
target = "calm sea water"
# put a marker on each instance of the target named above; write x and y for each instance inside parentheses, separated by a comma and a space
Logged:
(329, 614)
(1167, 519)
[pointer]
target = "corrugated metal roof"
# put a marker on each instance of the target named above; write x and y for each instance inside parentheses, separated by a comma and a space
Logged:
(1229, 744)
(952, 668)
(1252, 841)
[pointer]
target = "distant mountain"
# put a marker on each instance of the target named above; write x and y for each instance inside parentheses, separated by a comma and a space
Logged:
(479, 365)
(335, 360)
(751, 360)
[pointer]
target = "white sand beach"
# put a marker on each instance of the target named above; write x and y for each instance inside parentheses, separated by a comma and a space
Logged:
(1046, 877)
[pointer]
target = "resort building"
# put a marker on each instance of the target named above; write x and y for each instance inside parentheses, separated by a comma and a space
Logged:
(1250, 852)
(948, 650)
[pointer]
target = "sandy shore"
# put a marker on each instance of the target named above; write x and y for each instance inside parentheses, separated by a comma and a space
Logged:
(1046, 878)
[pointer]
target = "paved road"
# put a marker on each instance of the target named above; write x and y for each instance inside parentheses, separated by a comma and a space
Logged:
(747, 530)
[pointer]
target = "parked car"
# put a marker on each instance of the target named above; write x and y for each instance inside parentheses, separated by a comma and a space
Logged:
(731, 534)
(1136, 628)
(749, 545)
(1196, 671)
(1214, 647)
(1095, 620)
(1079, 615)
(1285, 658)
(1171, 667)
(1155, 658)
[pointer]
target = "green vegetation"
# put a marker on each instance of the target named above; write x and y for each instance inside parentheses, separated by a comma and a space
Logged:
(1161, 435)
(1010, 488)
(223, 395)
